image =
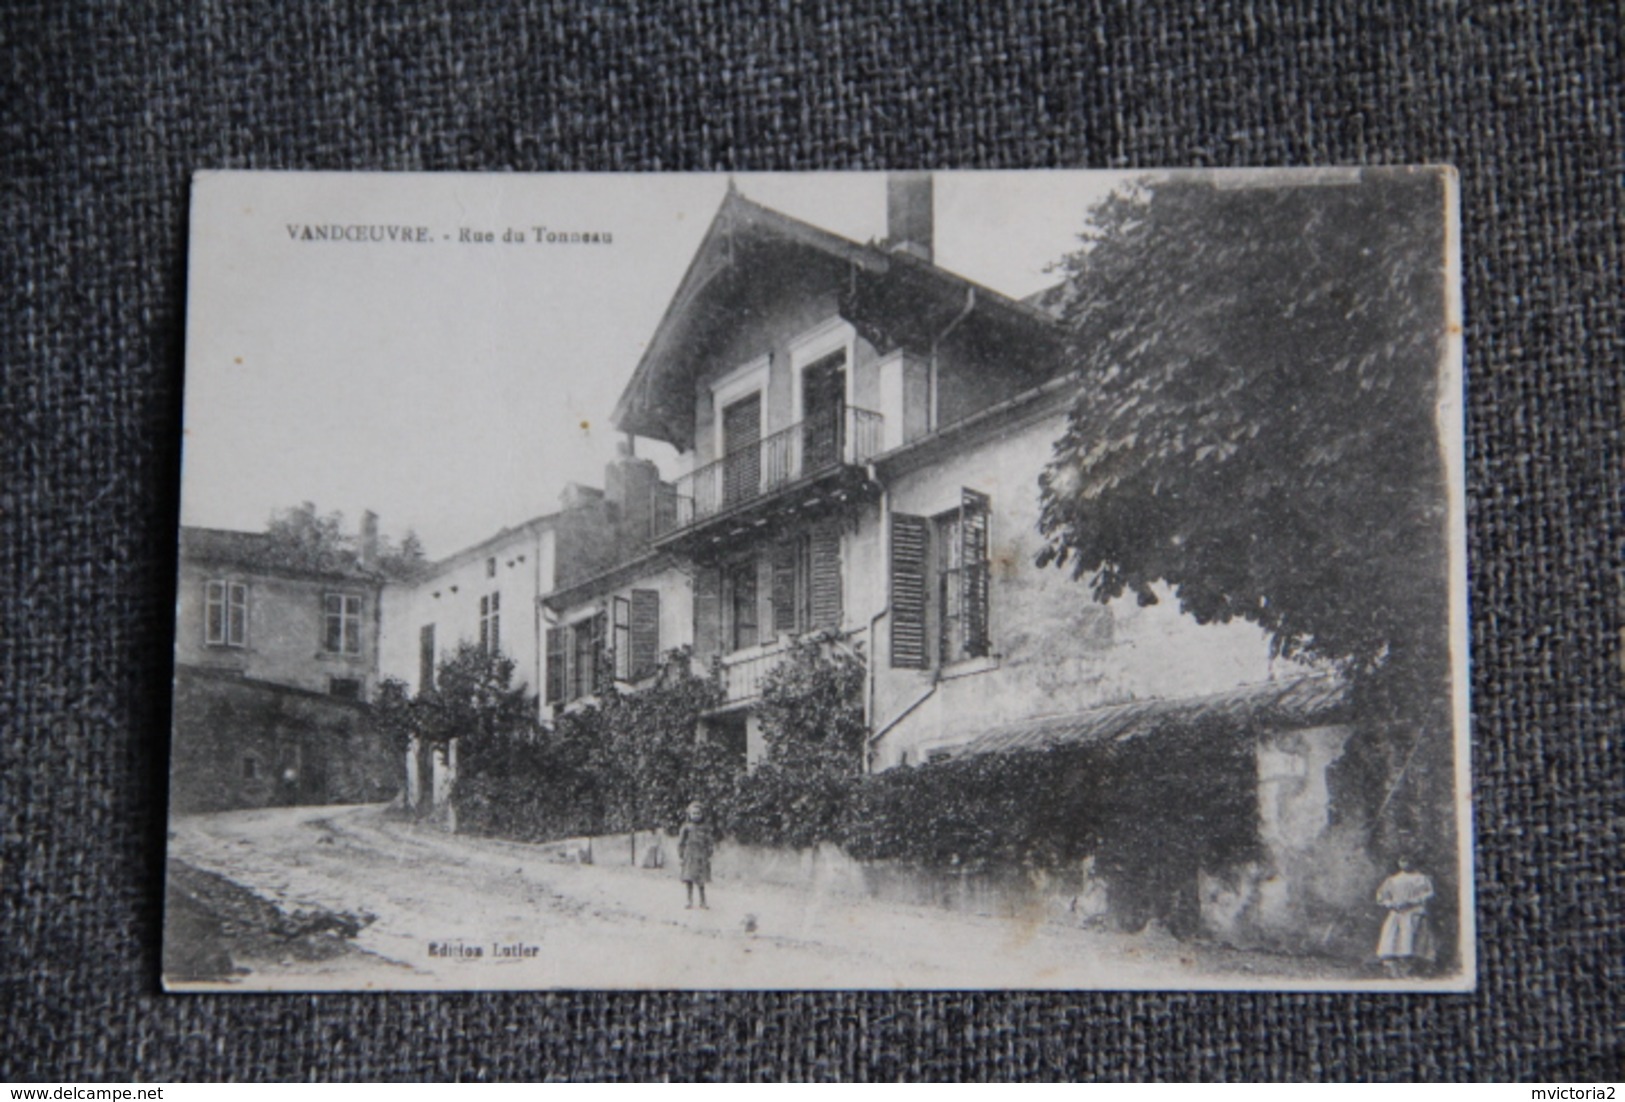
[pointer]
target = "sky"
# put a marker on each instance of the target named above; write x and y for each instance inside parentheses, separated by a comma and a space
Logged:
(456, 386)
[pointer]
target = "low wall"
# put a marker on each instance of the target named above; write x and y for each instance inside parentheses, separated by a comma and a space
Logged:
(1309, 890)
(1074, 896)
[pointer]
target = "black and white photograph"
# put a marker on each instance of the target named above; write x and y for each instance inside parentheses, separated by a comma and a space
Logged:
(875, 580)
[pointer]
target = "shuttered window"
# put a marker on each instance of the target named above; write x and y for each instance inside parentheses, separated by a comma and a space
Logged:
(789, 556)
(908, 607)
(558, 661)
(620, 627)
(806, 581)
(826, 577)
(602, 673)
(974, 509)
(946, 619)
(962, 579)
(645, 634)
(742, 455)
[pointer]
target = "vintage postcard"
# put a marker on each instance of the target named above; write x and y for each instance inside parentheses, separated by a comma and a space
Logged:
(890, 580)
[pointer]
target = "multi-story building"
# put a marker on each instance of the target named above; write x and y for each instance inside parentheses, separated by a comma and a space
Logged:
(862, 433)
(492, 592)
(248, 608)
(276, 651)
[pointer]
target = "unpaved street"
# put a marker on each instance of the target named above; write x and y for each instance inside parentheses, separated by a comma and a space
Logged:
(430, 899)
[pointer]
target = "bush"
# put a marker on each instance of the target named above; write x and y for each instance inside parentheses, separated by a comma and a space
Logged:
(1152, 811)
(812, 722)
(627, 762)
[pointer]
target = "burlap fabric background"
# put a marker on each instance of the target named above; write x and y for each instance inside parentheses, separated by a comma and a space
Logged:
(106, 113)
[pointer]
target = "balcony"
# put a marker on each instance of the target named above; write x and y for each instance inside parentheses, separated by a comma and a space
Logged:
(744, 671)
(812, 462)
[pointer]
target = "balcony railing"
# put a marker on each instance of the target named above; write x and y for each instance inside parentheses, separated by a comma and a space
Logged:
(846, 436)
(745, 671)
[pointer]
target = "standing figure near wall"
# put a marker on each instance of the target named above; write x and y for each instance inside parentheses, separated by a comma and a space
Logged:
(1406, 943)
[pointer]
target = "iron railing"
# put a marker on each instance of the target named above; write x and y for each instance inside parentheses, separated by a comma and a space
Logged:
(844, 436)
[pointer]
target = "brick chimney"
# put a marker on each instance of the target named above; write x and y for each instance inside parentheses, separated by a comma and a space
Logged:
(908, 213)
(633, 486)
(369, 539)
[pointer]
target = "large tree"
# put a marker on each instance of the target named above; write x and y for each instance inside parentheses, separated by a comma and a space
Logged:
(1257, 424)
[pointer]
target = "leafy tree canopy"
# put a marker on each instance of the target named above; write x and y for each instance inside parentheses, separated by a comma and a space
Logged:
(473, 696)
(812, 711)
(302, 538)
(1256, 425)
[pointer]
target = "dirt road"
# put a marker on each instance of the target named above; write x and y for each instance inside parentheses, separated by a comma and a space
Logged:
(440, 911)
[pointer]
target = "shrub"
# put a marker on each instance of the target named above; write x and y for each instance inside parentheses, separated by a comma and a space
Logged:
(812, 722)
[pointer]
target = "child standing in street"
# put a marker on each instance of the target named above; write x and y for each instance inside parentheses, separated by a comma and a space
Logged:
(694, 845)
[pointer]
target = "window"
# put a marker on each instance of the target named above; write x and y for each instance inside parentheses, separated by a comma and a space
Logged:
(962, 580)
(425, 658)
(589, 670)
(491, 567)
(342, 623)
(491, 623)
(577, 664)
(635, 634)
(951, 551)
(225, 618)
(807, 581)
(558, 664)
(345, 688)
(251, 768)
(739, 584)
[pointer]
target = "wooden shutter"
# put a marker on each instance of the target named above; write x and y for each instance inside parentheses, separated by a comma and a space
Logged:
(620, 642)
(645, 632)
(784, 585)
(826, 576)
(973, 534)
(908, 542)
(557, 664)
(742, 455)
(707, 612)
(601, 668)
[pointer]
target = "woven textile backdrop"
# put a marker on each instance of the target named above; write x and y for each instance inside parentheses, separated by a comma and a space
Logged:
(105, 114)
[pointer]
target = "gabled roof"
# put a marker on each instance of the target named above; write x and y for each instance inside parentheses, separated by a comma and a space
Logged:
(890, 297)
(1300, 702)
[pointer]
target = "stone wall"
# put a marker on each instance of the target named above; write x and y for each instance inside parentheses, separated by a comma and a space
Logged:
(239, 743)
